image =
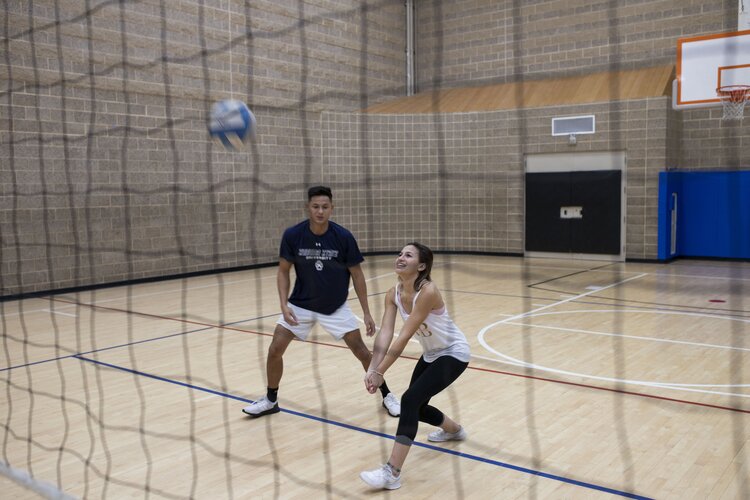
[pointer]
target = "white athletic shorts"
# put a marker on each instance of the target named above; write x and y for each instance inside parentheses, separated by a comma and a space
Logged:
(338, 324)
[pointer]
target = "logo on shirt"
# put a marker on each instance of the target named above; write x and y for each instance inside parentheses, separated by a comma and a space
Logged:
(424, 331)
(318, 255)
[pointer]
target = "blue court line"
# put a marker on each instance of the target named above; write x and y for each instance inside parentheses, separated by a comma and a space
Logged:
(16, 367)
(104, 349)
(135, 343)
(376, 433)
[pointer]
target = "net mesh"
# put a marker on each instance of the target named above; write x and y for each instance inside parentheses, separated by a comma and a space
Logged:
(733, 99)
(109, 178)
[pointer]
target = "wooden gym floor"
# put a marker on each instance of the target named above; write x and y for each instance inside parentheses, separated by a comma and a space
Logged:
(588, 380)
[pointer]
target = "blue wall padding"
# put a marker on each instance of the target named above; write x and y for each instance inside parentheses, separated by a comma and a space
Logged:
(713, 214)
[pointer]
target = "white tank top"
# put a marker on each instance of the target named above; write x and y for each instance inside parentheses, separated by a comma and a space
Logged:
(438, 334)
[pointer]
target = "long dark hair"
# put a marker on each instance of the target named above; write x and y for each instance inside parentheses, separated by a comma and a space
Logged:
(425, 257)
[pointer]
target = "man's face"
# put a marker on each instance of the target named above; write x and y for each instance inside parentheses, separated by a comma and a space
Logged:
(320, 209)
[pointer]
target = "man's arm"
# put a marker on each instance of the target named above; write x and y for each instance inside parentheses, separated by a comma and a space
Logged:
(282, 285)
(382, 341)
(360, 287)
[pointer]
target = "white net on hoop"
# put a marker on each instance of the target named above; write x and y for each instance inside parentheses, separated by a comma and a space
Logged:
(733, 99)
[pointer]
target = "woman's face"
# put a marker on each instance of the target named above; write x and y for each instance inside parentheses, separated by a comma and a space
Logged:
(407, 262)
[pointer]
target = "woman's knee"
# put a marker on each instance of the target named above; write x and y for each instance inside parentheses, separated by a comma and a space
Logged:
(412, 400)
(431, 415)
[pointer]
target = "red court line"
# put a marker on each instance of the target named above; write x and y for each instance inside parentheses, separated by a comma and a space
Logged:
(470, 367)
(619, 391)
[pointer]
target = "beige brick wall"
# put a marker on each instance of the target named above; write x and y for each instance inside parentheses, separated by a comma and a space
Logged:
(455, 181)
(107, 174)
(471, 41)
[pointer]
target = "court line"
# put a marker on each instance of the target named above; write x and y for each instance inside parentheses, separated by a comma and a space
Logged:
(658, 273)
(60, 312)
(647, 383)
(161, 337)
(632, 393)
(650, 304)
(574, 273)
(516, 362)
(665, 274)
(560, 302)
(611, 302)
(70, 300)
(637, 337)
(26, 480)
(657, 385)
(189, 288)
(103, 349)
(607, 389)
(412, 358)
(476, 458)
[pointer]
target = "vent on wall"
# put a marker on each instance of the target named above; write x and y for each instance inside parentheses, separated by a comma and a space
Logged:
(573, 125)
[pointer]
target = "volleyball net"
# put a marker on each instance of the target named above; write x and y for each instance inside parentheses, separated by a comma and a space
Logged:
(110, 177)
(110, 182)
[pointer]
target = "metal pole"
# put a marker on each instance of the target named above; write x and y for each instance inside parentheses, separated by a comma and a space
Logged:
(410, 83)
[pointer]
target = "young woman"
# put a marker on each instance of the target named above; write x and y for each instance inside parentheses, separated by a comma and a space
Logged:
(446, 355)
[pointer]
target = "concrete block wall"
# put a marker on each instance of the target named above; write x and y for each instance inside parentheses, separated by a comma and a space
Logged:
(106, 173)
(473, 41)
(456, 181)
(469, 42)
(106, 169)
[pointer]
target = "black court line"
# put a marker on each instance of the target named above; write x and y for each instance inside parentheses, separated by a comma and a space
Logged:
(469, 456)
(575, 273)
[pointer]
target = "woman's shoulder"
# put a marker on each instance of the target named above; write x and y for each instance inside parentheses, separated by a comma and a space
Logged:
(430, 293)
(428, 287)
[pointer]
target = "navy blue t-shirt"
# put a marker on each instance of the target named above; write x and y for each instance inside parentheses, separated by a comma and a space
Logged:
(322, 265)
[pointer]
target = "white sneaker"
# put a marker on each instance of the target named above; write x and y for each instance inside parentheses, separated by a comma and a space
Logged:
(382, 477)
(261, 407)
(440, 435)
(392, 404)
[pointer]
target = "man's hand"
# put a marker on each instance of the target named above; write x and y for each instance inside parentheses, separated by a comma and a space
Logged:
(289, 316)
(369, 325)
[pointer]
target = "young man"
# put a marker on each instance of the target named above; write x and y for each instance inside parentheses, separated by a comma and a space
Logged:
(324, 255)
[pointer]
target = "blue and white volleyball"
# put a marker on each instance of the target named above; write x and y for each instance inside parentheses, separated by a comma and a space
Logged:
(231, 123)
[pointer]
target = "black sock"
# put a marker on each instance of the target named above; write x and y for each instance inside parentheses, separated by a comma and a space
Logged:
(272, 394)
(384, 390)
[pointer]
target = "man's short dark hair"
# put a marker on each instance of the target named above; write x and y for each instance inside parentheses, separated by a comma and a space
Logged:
(319, 191)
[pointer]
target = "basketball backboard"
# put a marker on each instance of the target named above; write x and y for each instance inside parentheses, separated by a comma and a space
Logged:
(743, 15)
(707, 62)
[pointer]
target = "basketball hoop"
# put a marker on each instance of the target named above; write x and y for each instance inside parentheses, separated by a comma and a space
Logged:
(733, 99)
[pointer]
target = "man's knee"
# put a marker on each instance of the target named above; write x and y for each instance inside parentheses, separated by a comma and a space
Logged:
(281, 340)
(355, 343)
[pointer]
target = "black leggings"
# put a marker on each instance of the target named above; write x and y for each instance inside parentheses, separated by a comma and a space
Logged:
(427, 380)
